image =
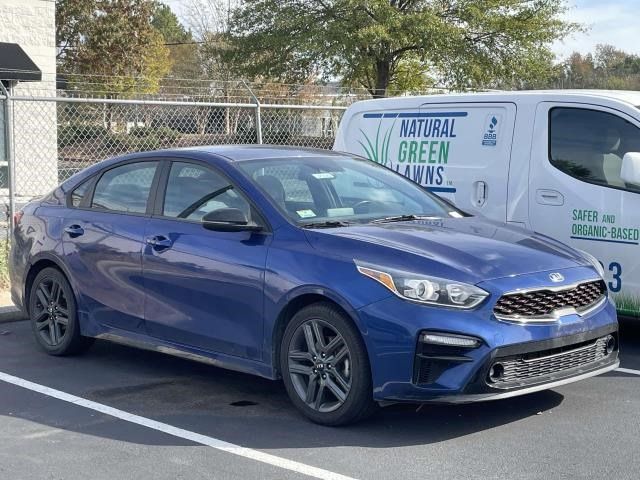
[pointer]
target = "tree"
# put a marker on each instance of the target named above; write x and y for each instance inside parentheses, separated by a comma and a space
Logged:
(608, 68)
(462, 43)
(111, 46)
(185, 63)
(72, 17)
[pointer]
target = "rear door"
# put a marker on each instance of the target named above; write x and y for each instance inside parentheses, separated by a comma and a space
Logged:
(460, 151)
(102, 241)
(576, 194)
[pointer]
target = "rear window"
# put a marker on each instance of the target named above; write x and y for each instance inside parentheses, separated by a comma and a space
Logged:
(125, 188)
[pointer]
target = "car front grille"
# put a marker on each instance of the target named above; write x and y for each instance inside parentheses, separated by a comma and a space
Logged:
(523, 369)
(545, 304)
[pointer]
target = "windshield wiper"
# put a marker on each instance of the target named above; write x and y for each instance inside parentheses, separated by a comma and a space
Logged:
(403, 218)
(327, 224)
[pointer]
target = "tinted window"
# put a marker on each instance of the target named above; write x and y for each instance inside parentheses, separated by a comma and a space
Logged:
(125, 188)
(319, 188)
(195, 190)
(78, 194)
(590, 145)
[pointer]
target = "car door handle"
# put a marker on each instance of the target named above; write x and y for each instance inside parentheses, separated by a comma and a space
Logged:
(549, 197)
(74, 230)
(159, 242)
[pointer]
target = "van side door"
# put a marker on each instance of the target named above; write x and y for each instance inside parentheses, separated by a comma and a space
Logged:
(460, 151)
(576, 194)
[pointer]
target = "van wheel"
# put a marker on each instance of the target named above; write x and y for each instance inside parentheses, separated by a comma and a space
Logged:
(325, 366)
(52, 310)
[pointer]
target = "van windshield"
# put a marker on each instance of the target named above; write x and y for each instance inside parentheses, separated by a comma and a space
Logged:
(340, 190)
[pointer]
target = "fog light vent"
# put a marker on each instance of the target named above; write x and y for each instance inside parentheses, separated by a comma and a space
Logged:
(611, 344)
(496, 372)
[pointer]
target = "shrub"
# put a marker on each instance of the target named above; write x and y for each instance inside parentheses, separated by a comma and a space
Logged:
(72, 134)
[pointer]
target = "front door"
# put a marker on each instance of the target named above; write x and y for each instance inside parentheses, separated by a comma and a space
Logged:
(102, 242)
(577, 196)
(204, 288)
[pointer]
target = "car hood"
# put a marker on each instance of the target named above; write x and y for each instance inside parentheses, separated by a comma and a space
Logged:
(467, 249)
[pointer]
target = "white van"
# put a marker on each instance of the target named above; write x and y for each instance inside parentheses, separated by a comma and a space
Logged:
(563, 163)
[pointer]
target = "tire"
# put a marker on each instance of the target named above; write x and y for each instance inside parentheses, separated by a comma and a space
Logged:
(53, 315)
(327, 393)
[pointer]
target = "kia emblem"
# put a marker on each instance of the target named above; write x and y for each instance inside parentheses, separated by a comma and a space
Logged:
(556, 277)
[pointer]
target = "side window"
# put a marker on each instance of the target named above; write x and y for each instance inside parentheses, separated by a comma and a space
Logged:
(125, 188)
(195, 190)
(79, 192)
(589, 145)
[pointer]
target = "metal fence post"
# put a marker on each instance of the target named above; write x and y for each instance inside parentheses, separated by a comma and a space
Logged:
(8, 128)
(258, 114)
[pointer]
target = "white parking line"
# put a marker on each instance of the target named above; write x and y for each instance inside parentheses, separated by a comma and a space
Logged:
(176, 432)
(628, 370)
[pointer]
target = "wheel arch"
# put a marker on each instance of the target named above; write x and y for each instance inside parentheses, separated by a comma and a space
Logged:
(36, 266)
(301, 299)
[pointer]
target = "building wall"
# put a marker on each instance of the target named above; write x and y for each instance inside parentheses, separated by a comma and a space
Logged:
(31, 24)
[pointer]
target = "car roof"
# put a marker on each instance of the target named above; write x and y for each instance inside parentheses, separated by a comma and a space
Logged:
(228, 153)
(238, 153)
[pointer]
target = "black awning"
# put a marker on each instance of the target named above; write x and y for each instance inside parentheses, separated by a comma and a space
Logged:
(16, 65)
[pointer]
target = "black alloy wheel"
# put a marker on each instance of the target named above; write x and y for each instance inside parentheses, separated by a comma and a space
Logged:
(52, 310)
(325, 366)
(320, 365)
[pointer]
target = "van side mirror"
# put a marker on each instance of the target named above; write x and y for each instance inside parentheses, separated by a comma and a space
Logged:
(228, 220)
(630, 172)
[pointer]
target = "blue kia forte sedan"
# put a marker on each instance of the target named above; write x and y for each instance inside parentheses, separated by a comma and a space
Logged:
(351, 283)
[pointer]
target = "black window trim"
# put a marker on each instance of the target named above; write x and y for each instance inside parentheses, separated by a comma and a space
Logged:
(95, 178)
(591, 109)
(161, 190)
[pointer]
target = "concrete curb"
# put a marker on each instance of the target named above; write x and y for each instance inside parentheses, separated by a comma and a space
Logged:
(11, 314)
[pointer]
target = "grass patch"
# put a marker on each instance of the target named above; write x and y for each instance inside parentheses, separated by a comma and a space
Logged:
(4, 265)
(628, 305)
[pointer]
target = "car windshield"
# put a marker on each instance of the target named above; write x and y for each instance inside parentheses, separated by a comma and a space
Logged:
(339, 190)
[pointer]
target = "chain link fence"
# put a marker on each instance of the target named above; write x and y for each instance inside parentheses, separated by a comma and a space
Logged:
(53, 137)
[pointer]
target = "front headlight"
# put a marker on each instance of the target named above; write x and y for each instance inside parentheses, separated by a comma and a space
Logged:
(425, 289)
(593, 261)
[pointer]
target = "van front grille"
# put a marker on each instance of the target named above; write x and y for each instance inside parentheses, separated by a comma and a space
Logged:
(544, 303)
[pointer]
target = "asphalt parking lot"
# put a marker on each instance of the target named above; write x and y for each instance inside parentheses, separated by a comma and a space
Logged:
(118, 412)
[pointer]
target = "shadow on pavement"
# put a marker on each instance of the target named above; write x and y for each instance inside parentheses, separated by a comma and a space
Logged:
(202, 398)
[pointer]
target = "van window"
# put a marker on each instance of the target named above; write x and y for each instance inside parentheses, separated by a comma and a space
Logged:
(589, 145)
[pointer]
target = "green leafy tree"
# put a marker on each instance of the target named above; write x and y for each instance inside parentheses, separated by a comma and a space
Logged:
(112, 47)
(185, 62)
(462, 43)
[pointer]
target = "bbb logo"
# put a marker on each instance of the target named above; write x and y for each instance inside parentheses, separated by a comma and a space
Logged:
(490, 137)
(556, 277)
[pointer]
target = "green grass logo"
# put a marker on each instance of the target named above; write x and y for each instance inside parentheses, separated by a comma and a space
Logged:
(377, 149)
(627, 304)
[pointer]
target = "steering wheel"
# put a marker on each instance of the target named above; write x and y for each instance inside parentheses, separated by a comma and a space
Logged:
(364, 206)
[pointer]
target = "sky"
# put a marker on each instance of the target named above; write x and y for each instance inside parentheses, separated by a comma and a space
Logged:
(615, 22)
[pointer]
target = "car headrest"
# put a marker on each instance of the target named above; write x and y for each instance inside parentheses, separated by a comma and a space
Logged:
(273, 186)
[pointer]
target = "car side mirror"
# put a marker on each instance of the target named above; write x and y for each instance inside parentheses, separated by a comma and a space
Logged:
(228, 220)
(630, 172)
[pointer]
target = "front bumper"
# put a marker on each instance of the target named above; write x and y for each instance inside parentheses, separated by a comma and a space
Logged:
(393, 327)
(482, 397)
(554, 356)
